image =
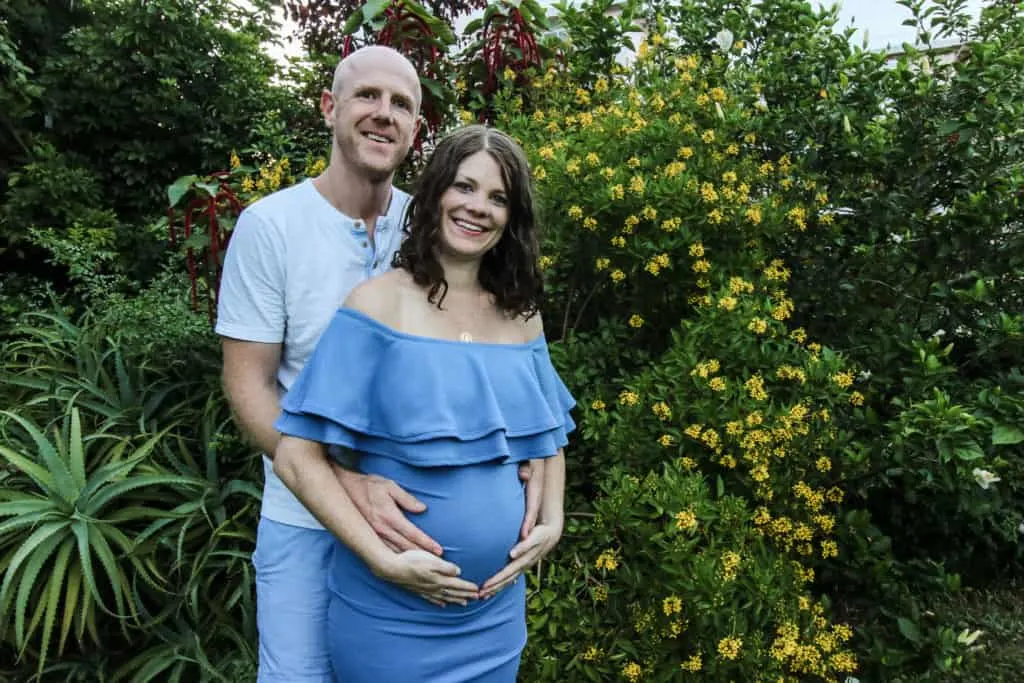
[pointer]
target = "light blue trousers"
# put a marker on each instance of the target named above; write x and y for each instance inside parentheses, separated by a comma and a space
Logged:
(292, 603)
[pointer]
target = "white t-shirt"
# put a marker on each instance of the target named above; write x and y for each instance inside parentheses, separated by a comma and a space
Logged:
(291, 261)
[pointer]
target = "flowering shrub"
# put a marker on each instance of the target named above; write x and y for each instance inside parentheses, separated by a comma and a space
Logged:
(669, 582)
(665, 226)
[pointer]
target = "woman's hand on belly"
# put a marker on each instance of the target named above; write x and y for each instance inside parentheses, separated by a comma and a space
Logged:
(541, 540)
(430, 577)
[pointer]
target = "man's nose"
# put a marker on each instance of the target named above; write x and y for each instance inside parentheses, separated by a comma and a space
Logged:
(385, 109)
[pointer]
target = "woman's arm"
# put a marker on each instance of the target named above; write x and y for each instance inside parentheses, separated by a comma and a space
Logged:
(304, 468)
(545, 534)
(552, 504)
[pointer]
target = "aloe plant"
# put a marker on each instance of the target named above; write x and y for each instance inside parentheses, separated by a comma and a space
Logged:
(54, 361)
(68, 536)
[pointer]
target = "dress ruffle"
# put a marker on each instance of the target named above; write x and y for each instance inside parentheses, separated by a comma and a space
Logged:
(427, 402)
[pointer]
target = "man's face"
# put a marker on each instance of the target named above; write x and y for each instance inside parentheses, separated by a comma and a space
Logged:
(375, 114)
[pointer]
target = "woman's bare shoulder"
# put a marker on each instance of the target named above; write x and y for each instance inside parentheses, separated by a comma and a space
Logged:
(379, 296)
(532, 327)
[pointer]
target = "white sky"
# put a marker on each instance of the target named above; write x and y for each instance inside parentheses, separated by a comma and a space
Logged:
(882, 19)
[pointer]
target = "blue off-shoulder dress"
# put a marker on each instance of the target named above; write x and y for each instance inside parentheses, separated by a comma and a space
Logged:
(449, 422)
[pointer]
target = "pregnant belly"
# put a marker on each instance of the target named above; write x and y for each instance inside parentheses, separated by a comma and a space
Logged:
(473, 511)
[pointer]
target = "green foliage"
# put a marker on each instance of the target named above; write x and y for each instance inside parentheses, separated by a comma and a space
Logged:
(647, 587)
(133, 499)
(784, 281)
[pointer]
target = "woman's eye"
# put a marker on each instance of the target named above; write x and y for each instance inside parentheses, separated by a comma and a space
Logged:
(500, 200)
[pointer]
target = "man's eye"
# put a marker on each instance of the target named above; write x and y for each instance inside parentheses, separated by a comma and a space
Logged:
(403, 104)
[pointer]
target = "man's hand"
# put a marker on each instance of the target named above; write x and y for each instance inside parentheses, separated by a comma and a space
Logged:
(381, 502)
(524, 555)
(531, 473)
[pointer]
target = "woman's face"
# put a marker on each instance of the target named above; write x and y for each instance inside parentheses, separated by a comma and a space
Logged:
(474, 208)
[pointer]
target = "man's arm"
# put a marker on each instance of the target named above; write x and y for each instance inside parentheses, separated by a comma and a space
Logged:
(250, 382)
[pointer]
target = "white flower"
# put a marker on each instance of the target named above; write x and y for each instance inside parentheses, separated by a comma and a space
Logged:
(851, 679)
(761, 104)
(1021, 528)
(938, 334)
(864, 375)
(724, 38)
(967, 637)
(896, 239)
(984, 477)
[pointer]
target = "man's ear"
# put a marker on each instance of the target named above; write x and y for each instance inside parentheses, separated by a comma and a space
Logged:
(327, 107)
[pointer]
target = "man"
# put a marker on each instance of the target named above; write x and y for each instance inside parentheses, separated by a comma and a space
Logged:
(293, 258)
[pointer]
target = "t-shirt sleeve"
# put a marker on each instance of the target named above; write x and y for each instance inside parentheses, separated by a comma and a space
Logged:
(251, 300)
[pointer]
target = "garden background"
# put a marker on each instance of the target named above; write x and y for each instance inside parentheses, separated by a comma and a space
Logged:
(785, 279)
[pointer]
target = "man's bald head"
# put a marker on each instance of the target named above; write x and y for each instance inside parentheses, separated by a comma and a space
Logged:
(376, 57)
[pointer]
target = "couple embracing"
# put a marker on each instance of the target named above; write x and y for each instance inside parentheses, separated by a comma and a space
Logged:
(386, 352)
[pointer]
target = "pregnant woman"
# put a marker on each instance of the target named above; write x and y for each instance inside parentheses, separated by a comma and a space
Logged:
(436, 375)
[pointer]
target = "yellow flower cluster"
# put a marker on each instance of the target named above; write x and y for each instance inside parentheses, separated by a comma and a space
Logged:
(657, 264)
(843, 379)
(758, 326)
(730, 565)
(708, 192)
(788, 372)
(629, 398)
(686, 520)
(608, 560)
(673, 169)
(729, 648)
(632, 672)
(782, 309)
(693, 664)
(671, 224)
(662, 411)
(704, 369)
(776, 271)
(755, 388)
(598, 404)
(636, 321)
(671, 605)
(798, 217)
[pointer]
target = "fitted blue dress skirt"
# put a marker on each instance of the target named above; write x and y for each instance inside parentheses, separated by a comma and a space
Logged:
(449, 422)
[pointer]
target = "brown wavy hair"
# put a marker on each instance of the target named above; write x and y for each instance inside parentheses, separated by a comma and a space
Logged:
(509, 270)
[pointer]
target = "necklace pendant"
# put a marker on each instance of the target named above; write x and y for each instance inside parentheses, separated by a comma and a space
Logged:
(465, 337)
